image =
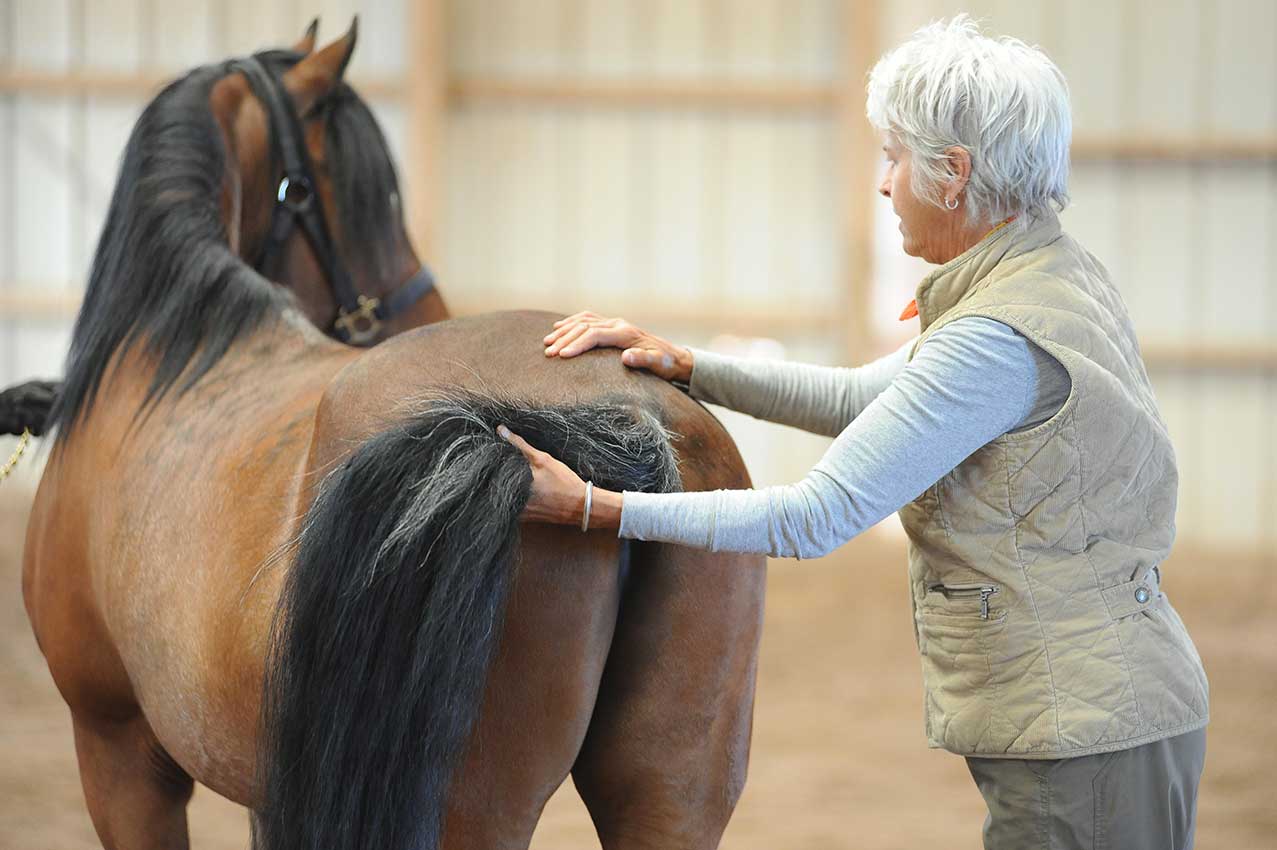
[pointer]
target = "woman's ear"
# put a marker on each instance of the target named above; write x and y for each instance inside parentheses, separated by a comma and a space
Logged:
(959, 159)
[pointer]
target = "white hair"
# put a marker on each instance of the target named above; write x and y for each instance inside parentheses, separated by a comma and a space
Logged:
(1003, 101)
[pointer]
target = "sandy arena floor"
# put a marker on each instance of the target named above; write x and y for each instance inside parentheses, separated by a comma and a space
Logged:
(839, 760)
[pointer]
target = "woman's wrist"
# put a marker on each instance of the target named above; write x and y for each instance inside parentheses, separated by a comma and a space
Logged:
(605, 509)
(685, 362)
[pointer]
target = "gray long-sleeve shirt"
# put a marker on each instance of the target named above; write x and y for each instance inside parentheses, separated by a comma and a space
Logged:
(901, 425)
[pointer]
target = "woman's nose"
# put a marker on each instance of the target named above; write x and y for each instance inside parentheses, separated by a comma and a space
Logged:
(884, 188)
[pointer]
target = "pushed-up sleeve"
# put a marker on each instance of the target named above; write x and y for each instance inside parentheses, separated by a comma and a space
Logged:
(969, 383)
(819, 399)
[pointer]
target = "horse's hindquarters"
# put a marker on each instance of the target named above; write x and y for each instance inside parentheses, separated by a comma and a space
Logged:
(541, 688)
(676, 697)
(665, 759)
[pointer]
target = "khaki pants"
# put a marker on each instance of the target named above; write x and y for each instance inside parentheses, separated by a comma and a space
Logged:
(1137, 799)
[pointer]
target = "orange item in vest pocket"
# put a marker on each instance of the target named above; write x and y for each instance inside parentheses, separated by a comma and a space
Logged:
(911, 310)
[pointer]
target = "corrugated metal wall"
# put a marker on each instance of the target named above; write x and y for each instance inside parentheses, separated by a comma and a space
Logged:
(681, 162)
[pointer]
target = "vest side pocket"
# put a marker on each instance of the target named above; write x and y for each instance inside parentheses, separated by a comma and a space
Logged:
(957, 670)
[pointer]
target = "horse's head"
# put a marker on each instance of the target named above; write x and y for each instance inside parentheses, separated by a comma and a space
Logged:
(271, 162)
(310, 195)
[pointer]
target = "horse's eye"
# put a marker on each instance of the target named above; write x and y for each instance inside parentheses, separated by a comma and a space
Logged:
(296, 193)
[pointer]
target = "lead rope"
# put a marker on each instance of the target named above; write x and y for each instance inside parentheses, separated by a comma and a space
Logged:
(17, 454)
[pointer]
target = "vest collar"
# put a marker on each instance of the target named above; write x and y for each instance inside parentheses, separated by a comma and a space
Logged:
(942, 290)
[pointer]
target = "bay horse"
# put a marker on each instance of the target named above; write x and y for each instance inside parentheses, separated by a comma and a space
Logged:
(291, 568)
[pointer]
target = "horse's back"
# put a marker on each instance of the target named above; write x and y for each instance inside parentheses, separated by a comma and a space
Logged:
(502, 354)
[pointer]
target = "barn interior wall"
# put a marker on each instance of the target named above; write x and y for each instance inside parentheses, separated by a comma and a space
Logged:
(710, 219)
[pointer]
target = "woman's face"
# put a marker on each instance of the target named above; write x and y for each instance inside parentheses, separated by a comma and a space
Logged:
(923, 226)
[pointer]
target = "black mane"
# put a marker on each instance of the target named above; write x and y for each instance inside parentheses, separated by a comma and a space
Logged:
(164, 276)
(370, 217)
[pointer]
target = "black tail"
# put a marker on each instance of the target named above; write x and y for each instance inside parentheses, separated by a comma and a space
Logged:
(26, 406)
(389, 617)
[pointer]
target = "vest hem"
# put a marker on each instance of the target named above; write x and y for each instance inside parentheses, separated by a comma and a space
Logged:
(1107, 747)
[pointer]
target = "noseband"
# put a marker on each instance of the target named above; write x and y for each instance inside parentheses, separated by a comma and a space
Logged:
(359, 317)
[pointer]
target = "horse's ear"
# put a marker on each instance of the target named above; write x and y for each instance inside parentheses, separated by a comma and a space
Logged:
(317, 74)
(307, 44)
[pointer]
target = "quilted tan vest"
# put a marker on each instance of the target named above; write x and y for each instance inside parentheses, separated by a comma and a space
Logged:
(1034, 563)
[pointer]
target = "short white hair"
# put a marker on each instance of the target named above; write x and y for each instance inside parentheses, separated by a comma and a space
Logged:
(1003, 101)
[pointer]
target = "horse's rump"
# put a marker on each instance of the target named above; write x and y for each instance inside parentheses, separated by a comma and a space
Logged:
(390, 614)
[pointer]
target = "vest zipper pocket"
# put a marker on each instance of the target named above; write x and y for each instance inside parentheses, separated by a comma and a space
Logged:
(980, 591)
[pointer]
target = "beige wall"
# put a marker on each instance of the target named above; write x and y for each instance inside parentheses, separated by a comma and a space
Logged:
(708, 214)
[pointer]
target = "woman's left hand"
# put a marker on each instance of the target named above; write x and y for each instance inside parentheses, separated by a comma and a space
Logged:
(558, 493)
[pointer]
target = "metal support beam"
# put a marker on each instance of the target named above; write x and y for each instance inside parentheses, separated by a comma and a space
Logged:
(859, 172)
(425, 89)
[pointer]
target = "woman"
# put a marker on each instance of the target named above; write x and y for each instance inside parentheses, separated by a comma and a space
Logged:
(1019, 438)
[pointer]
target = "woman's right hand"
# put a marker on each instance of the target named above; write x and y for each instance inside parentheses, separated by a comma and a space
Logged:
(641, 350)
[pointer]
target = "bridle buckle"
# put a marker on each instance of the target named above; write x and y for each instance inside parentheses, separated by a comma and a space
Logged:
(362, 325)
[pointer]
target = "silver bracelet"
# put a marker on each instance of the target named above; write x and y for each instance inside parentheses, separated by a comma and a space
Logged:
(589, 499)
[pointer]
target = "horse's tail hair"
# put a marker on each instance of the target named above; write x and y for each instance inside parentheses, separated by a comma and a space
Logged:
(25, 407)
(389, 617)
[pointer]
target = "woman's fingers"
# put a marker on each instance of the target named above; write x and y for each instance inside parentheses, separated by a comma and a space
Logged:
(665, 360)
(617, 337)
(560, 332)
(569, 327)
(659, 363)
(560, 328)
(583, 331)
(584, 315)
(570, 335)
(581, 338)
(533, 455)
(575, 318)
(557, 491)
(639, 358)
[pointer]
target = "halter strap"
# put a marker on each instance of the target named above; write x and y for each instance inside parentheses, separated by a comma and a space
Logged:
(359, 317)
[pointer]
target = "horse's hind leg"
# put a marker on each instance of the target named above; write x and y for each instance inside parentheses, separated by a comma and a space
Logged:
(136, 794)
(541, 689)
(664, 760)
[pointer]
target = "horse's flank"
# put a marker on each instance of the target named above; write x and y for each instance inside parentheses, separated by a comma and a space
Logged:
(203, 492)
(198, 381)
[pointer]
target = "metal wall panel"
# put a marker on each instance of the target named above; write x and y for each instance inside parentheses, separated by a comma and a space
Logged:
(114, 35)
(179, 34)
(1243, 66)
(585, 203)
(41, 34)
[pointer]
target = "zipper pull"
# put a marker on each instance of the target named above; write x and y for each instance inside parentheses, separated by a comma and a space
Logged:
(985, 593)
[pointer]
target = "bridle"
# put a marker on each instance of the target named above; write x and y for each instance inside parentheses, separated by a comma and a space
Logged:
(359, 317)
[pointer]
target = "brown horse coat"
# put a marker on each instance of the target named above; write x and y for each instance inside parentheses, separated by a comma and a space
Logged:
(159, 543)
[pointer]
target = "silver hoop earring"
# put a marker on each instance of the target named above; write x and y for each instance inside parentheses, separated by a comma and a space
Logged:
(951, 203)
